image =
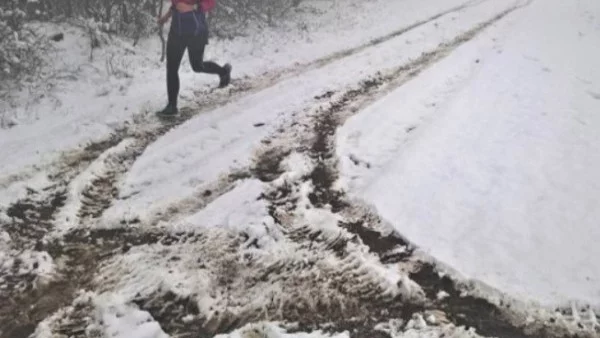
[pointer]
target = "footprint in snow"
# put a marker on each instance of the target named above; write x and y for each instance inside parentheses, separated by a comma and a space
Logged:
(359, 162)
(585, 81)
(594, 95)
(531, 58)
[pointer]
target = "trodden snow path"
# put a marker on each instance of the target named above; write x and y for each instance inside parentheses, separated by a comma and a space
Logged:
(235, 220)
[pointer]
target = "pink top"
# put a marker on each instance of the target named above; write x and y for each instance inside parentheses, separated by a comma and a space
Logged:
(204, 5)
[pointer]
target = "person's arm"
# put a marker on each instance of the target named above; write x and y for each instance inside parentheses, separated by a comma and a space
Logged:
(165, 17)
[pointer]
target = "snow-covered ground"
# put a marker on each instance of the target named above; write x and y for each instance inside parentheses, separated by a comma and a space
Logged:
(490, 160)
(431, 173)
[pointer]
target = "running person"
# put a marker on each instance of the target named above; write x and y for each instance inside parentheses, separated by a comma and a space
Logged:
(189, 30)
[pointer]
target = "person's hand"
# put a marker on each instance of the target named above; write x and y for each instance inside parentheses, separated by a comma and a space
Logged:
(162, 19)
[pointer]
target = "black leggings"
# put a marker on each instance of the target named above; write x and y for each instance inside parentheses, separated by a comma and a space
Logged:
(176, 46)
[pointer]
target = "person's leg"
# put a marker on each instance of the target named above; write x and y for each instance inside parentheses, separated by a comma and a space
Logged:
(175, 50)
(196, 48)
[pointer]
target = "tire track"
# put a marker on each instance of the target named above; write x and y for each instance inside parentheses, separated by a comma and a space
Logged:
(394, 34)
(487, 318)
(368, 306)
(80, 252)
(101, 191)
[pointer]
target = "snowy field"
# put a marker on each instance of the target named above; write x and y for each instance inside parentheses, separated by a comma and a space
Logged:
(423, 169)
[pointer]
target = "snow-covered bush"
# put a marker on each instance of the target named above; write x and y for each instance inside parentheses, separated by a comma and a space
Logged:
(20, 48)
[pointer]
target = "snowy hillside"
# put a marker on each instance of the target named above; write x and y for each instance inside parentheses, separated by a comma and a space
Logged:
(377, 169)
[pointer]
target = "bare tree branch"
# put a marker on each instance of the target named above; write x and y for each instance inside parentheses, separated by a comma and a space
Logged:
(161, 35)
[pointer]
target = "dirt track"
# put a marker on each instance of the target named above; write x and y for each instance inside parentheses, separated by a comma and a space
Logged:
(337, 296)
